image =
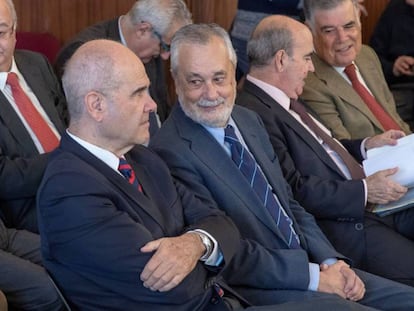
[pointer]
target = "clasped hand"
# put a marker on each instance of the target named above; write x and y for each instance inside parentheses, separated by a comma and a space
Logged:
(340, 279)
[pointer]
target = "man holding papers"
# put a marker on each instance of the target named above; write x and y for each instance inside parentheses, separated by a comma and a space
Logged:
(320, 179)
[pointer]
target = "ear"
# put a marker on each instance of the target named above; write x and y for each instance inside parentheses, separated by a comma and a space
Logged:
(280, 60)
(142, 28)
(95, 104)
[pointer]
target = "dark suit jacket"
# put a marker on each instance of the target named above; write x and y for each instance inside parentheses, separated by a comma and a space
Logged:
(317, 183)
(93, 223)
(21, 165)
(110, 30)
(197, 160)
(337, 104)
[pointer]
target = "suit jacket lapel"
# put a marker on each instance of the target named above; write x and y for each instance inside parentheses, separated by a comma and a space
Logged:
(334, 81)
(292, 123)
(117, 180)
(206, 148)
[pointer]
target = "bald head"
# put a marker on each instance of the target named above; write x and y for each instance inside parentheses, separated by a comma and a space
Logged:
(97, 65)
(108, 99)
(273, 33)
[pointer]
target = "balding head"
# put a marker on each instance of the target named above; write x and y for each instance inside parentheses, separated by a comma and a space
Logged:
(106, 87)
(280, 51)
(273, 33)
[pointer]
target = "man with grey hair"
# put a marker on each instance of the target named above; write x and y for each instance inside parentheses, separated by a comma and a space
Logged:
(147, 30)
(117, 232)
(347, 90)
(319, 169)
(223, 154)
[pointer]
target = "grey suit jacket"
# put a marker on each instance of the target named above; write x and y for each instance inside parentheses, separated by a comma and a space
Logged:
(197, 160)
(339, 107)
(21, 165)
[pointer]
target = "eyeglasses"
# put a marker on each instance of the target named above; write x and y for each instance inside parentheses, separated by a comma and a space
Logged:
(6, 33)
(164, 46)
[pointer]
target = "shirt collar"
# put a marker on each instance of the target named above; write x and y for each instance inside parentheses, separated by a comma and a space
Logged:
(102, 154)
(3, 75)
(277, 94)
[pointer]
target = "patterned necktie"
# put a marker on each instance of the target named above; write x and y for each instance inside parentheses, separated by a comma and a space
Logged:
(354, 168)
(37, 123)
(126, 170)
(377, 110)
(249, 168)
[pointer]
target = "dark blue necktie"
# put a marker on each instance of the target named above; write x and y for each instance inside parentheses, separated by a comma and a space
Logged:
(126, 170)
(248, 166)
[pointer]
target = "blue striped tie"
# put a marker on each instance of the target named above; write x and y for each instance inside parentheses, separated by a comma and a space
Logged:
(248, 166)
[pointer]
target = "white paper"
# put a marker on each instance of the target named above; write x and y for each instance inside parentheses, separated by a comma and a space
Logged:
(400, 155)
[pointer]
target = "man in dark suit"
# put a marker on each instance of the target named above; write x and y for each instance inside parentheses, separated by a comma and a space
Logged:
(147, 30)
(23, 156)
(336, 30)
(320, 180)
(194, 143)
(117, 232)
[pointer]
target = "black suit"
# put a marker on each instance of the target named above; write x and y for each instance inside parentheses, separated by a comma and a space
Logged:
(110, 30)
(337, 203)
(21, 165)
(265, 269)
(93, 224)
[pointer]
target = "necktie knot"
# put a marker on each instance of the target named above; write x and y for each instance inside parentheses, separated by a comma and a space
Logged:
(230, 134)
(126, 170)
(350, 71)
(12, 79)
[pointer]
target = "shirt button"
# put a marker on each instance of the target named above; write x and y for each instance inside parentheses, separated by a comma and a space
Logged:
(359, 226)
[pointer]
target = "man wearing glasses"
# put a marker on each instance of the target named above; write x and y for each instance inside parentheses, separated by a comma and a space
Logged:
(147, 30)
(32, 118)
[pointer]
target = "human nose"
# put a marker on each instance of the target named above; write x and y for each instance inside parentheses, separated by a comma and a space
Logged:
(151, 105)
(165, 55)
(210, 91)
(341, 34)
(311, 67)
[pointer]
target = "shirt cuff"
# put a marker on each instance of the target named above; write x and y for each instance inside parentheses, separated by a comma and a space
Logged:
(314, 273)
(216, 256)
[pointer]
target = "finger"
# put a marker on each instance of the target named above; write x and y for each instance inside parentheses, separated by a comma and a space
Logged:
(173, 283)
(151, 246)
(159, 277)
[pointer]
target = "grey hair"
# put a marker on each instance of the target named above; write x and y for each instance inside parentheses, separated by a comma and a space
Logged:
(310, 6)
(199, 34)
(12, 9)
(161, 14)
(264, 44)
(89, 71)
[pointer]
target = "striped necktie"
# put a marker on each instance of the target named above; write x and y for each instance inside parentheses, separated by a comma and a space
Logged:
(251, 171)
(126, 170)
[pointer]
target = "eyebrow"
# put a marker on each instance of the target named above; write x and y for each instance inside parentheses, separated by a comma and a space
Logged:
(140, 90)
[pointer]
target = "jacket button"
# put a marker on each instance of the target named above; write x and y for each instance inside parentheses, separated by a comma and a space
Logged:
(359, 226)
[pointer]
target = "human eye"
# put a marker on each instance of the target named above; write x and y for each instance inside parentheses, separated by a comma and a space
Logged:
(2, 33)
(219, 79)
(195, 82)
(349, 26)
(328, 30)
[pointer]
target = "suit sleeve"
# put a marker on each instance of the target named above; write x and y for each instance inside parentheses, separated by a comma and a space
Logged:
(273, 268)
(86, 231)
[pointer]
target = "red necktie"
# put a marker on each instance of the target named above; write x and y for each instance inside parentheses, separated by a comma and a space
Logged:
(37, 123)
(126, 170)
(382, 116)
(354, 168)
